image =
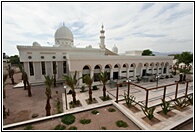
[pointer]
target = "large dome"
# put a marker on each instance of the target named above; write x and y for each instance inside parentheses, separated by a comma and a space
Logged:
(63, 36)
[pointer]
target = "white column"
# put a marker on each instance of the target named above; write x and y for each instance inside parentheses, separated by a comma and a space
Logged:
(134, 73)
(157, 70)
(167, 69)
(119, 72)
(127, 73)
(91, 73)
(141, 71)
(152, 70)
(162, 68)
(111, 73)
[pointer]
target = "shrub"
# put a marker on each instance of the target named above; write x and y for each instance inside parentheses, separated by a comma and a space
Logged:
(35, 115)
(59, 127)
(28, 127)
(111, 110)
(105, 98)
(85, 121)
(95, 88)
(148, 112)
(94, 112)
(121, 123)
(70, 92)
(72, 128)
(165, 106)
(68, 119)
(181, 102)
(103, 128)
(130, 100)
(190, 99)
(82, 88)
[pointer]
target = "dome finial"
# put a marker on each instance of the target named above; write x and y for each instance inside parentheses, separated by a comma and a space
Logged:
(102, 26)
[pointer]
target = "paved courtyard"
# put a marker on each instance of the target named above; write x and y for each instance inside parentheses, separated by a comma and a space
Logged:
(22, 107)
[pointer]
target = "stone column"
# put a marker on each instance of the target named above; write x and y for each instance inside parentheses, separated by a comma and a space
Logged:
(152, 70)
(127, 73)
(111, 73)
(134, 73)
(91, 73)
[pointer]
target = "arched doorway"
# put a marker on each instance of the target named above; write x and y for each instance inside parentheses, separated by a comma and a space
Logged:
(108, 70)
(97, 71)
(85, 71)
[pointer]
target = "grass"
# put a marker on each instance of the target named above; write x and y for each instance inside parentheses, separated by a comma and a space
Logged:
(103, 128)
(111, 110)
(121, 123)
(68, 119)
(85, 121)
(28, 127)
(59, 127)
(94, 112)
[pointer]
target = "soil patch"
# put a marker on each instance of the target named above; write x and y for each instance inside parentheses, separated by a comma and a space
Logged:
(168, 115)
(132, 108)
(152, 121)
(181, 109)
(93, 101)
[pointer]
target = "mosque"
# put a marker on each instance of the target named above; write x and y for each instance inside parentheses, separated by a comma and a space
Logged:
(66, 58)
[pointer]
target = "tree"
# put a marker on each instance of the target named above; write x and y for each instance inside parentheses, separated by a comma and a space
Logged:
(186, 58)
(11, 71)
(89, 81)
(25, 80)
(147, 52)
(4, 84)
(14, 59)
(8, 69)
(103, 77)
(184, 71)
(48, 82)
(55, 72)
(72, 82)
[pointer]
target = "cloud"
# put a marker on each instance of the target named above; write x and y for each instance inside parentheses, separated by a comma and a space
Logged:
(160, 26)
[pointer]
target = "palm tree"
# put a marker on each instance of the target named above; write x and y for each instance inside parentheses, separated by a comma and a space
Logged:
(103, 77)
(4, 84)
(12, 75)
(89, 81)
(72, 82)
(48, 82)
(55, 72)
(25, 80)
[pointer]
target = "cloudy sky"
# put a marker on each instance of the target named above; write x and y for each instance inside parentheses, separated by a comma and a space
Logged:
(161, 27)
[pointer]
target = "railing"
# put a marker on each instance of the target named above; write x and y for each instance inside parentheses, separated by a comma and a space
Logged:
(150, 89)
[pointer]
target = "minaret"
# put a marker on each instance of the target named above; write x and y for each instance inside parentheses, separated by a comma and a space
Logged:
(102, 38)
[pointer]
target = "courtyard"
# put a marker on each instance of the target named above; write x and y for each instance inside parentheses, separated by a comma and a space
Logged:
(21, 107)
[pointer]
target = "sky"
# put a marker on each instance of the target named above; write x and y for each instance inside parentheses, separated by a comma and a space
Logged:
(158, 26)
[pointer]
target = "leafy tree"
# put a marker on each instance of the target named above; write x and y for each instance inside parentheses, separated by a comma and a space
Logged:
(48, 82)
(14, 59)
(103, 77)
(72, 82)
(89, 81)
(185, 71)
(186, 58)
(147, 52)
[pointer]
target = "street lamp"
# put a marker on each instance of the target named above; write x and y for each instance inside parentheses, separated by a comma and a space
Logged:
(128, 81)
(157, 78)
(65, 96)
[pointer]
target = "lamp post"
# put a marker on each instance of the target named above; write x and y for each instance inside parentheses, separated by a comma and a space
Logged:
(128, 81)
(157, 78)
(65, 96)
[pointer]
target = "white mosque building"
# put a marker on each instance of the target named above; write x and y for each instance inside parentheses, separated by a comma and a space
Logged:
(41, 60)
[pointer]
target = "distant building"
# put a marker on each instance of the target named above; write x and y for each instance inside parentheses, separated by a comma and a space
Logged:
(41, 60)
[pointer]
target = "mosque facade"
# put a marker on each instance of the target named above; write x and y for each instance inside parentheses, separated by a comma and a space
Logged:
(66, 58)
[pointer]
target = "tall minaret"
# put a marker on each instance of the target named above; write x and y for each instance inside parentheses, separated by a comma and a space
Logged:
(102, 38)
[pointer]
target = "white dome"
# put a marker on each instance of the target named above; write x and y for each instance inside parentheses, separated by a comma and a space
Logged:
(63, 33)
(115, 49)
(36, 44)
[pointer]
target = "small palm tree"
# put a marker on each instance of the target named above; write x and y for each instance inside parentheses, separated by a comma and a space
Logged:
(48, 82)
(89, 81)
(4, 84)
(25, 80)
(103, 77)
(12, 75)
(72, 82)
